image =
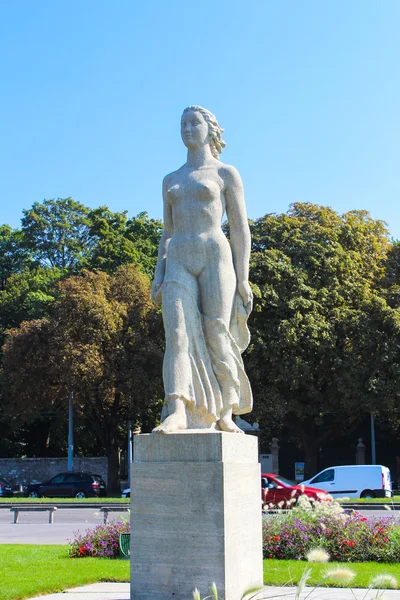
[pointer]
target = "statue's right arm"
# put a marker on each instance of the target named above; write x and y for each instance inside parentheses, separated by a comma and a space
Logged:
(163, 247)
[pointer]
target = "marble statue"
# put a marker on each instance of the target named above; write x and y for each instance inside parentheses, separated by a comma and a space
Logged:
(201, 280)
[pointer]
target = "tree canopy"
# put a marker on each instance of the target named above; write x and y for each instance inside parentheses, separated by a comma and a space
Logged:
(57, 232)
(14, 256)
(118, 240)
(103, 341)
(325, 344)
(76, 315)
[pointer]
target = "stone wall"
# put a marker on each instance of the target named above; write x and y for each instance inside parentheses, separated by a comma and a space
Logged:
(21, 471)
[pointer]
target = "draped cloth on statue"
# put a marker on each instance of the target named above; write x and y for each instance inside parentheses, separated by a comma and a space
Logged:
(207, 382)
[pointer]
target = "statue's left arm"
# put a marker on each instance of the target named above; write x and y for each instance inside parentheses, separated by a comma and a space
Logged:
(239, 233)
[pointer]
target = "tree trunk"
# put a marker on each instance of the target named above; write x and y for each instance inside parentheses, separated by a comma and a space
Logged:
(311, 459)
(107, 432)
(113, 484)
(310, 437)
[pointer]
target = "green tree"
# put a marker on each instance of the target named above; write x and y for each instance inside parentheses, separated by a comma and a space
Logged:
(118, 240)
(14, 257)
(27, 295)
(57, 232)
(391, 281)
(146, 234)
(325, 344)
(102, 340)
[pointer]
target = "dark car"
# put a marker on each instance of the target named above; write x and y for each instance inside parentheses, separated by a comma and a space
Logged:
(70, 485)
(5, 488)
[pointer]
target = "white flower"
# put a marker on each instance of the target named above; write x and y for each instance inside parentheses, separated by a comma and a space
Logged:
(317, 555)
(340, 575)
(384, 581)
(387, 507)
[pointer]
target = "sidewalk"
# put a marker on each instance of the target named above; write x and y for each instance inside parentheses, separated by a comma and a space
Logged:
(120, 591)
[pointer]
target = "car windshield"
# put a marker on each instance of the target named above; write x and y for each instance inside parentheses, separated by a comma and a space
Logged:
(283, 480)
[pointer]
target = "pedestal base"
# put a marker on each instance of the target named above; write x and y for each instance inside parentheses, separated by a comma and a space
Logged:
(195, 515)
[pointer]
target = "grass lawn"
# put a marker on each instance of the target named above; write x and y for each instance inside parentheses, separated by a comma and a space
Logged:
(289, 572)
(28, 570)
(377, 500)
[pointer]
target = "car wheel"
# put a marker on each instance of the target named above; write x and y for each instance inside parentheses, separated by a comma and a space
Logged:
(34, 494)
(367, 494)
(80, 494)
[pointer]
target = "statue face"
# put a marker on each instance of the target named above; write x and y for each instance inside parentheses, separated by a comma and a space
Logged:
(194, 129)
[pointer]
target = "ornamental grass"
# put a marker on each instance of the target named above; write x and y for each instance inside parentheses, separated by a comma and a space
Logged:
(346, 537)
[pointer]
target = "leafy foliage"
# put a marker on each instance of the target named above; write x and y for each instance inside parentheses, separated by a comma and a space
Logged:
(345, 537)
(14, 256)
(118, 240)
(101, 541)
(325, 342)
(28, 295)
(57, 232)
(103, 341)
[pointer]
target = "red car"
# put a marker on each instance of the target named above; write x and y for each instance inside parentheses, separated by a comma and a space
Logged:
(276, 490)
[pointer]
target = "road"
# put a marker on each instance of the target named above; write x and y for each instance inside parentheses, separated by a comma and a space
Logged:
(33, 528)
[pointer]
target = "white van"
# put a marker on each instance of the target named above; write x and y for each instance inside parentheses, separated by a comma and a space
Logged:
(354, 481)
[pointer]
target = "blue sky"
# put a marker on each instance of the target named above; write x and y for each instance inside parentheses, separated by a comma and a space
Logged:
(308, 93)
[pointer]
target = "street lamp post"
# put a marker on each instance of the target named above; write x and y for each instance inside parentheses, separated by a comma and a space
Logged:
(70, 432)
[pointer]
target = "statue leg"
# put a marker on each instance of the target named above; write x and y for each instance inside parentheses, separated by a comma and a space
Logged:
(177, 420)
(217, 289)
(176, 368)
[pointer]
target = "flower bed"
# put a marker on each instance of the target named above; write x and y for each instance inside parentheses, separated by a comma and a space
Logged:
(346, 537)
(101, 541)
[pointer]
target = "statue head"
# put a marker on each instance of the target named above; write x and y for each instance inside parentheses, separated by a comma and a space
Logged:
(214, 130)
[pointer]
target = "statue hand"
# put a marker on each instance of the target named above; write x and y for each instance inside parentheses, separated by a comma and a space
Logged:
(246, 295)
(156, 293)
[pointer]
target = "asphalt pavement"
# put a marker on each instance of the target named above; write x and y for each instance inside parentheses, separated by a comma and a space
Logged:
(34, 528)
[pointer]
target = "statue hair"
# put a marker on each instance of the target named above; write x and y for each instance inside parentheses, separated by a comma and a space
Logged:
(215, 131)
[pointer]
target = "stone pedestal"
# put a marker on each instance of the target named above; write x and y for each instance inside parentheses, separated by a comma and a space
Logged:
(195, 515)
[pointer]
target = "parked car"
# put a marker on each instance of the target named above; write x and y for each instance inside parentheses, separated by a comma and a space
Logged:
(70, 485)
(5, 488)
(354, 481)
(278, 491)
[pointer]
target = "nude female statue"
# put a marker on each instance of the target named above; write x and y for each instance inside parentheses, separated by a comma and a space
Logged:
(202, 282)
